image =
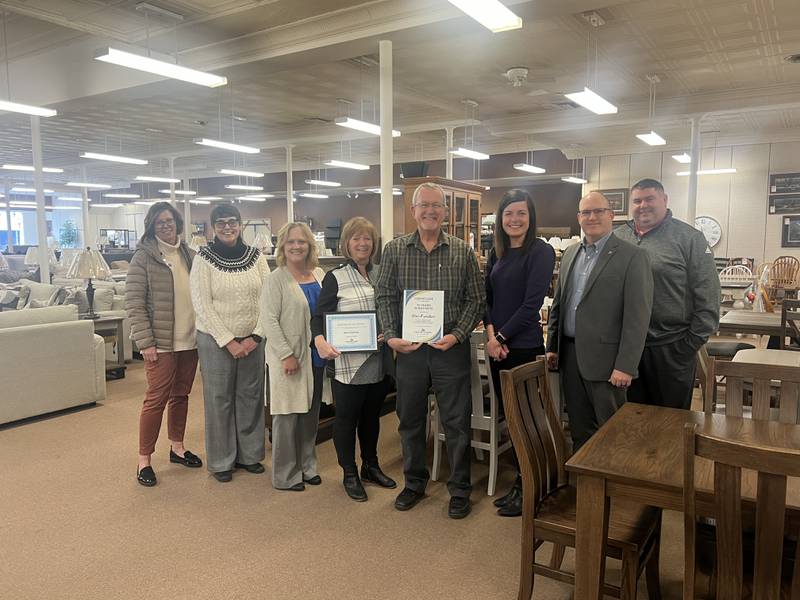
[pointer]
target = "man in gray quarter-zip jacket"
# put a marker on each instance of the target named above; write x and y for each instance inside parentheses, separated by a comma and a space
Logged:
(686, 297)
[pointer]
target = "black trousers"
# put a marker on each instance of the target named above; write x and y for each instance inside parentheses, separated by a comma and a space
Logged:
(447, 373)
(358, 412)
(666, 375)
(515, 358)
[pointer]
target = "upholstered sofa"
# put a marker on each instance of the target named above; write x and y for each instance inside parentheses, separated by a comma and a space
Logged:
(49, 360)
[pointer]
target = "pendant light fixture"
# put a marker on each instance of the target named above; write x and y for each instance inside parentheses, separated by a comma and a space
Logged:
(652, 138)
(529, 165)
(468, 149)
(587, 98)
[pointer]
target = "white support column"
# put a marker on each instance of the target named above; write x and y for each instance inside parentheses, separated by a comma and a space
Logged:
(448, 158)
(387, 142)
(9, 231)
(38, 183)
(694, 166)
(172, 185)
(86, 232)
(289, 186)
(187, 214)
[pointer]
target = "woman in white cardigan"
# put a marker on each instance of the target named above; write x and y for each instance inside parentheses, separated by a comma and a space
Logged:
(296, 372)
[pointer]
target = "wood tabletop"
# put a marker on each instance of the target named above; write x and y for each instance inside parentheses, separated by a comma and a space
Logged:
(747, 321)
(783, 358)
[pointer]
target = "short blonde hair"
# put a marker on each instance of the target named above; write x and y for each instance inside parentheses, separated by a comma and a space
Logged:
(312, 260)
(353, 227)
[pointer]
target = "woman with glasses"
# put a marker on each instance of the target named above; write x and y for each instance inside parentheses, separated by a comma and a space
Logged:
(159, 306)
(227, 282)
(295, 368)
(517, 278)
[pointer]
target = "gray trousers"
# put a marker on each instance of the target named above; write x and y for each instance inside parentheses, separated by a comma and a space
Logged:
(448, 374)
(233, 391)
(589, 403)
(294, 441)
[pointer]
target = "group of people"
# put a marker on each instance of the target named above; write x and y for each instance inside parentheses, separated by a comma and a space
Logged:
(630, 310)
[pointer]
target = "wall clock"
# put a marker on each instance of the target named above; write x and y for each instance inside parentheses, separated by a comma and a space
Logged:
(710, 228)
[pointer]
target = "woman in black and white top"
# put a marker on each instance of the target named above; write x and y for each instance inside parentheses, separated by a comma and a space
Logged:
(359, 387)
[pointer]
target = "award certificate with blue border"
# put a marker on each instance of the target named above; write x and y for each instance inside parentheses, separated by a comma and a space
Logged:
(423, 315)
(352, 331)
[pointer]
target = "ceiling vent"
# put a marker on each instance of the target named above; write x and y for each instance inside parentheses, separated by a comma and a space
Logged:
(792, 58)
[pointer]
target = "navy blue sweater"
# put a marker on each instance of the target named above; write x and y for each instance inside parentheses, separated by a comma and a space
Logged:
(515, 288)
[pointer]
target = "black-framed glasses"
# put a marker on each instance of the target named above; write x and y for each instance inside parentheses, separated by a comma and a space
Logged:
(231, 222)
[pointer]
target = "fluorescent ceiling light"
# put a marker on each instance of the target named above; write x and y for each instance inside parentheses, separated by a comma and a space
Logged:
(252, 198)
(707, 172)
(121, 196)
(157, 179)
(395, 191)
(30, 168)
(112, 158)
(347, 165)
(312, 195)
(245, 188)
(199, 201)
(27, 109)
(529, 168)
(144, 203)
(159, 67)
(258, 196)
(226, 146)
(467, 153)
(71, 199)
(684, 158)
(21, 203)
(2, 204)
(492, 14)
(323, 182)
(652, 138)
(364, 126)
(179, 192)
(110, 205)
(594, 102)
(209, 198)
(572, 179)
(83, 184)
(65, 207)
(27, 190)
(241, 173)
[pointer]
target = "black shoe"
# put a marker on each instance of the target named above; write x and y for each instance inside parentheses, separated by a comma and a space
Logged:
(187, 460)
(512, 493)
(459, 507)
(352, 485)
(253, 468)
(371, 473)
(297, 487)
(146, 476)
(223, 476)
(408, 499)
(512, 508)
(315, 480)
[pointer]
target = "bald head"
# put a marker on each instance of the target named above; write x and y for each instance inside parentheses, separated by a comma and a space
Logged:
(595, 216)
(597, 198)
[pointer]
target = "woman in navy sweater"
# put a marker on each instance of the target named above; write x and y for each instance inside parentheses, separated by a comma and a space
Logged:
(517, 278)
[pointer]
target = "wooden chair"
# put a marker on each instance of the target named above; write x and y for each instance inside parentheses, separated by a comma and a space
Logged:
(548, 513)
(735, 274)
(783, 277)
(768, 382)
(773, 464)
(790, 316)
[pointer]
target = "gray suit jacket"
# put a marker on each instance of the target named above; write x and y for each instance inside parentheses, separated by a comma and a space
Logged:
(613, 315)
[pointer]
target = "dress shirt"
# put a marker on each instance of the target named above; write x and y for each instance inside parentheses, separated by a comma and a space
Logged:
(582, 266)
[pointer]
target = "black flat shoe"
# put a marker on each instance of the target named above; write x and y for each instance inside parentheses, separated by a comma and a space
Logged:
(371, 473)
(223, 476)
(297, 487)
(512, 493)
(146, 476)
(512, 508)
(352, 485)
(253, 468)
(459, 507)
(187, 460)
(408, 499)
(315, 480)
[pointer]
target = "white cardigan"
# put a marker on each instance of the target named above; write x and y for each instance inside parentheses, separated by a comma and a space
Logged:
(287, 324)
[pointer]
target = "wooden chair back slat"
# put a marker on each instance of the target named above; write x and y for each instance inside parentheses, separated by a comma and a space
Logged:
(770, 517)
(728, 505)
(790, 317)
(783, 273)
(790, 396)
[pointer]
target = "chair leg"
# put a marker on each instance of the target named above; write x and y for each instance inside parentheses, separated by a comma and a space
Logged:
(651, 569)
(527, 554)
(557, 557)
(627, 586)
(437, 448)
(492, 463)
(476, 436)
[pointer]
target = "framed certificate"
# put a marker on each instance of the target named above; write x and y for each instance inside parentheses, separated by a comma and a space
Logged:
(352, 331)
(423, 315)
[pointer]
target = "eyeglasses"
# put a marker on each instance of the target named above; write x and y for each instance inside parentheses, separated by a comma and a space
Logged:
(232, 222)
(165, 224)
(595, 212)
(427, 205)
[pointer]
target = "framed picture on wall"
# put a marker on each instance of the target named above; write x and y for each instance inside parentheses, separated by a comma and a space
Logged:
(790, 232)
(618, 200)
(784, 183)
(781, 205)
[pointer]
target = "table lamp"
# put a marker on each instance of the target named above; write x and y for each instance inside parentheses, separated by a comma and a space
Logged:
(89, 264)
(32, 258)
(263, 242)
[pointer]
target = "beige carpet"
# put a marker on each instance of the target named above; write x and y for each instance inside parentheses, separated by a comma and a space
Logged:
(75, 524)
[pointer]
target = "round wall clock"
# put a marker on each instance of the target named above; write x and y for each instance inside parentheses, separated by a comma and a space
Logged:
(710, 228)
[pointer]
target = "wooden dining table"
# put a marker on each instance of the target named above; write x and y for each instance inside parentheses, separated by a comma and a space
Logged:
(750, 322)
(768, 356)
(638, 454)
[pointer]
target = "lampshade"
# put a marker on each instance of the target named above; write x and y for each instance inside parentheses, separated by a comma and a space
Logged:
(32, 256)
(3, 263)
(263, 242)
(198, 241)
(68, 255)
(89, 264)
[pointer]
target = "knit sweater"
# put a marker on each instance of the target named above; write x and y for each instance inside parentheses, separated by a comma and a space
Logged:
(183, 332)
(226, 293)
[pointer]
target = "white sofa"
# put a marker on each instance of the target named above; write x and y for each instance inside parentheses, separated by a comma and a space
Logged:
(50, 361)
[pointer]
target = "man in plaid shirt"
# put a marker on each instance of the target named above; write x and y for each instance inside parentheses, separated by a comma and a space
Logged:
(430, 259)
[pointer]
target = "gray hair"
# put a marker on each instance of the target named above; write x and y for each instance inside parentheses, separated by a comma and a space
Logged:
(428, 186)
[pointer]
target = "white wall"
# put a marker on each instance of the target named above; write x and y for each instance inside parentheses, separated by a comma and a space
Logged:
(129, 217)
(739, 201)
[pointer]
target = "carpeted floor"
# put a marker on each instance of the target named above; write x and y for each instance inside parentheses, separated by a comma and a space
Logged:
(74, 524)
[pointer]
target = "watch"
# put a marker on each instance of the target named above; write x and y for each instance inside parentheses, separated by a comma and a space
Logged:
(500, 338)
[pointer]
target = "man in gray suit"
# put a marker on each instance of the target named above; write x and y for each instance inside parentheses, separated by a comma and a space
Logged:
(599, 319)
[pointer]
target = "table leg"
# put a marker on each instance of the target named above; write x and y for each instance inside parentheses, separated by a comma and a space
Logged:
(120, 345)
(590, 537)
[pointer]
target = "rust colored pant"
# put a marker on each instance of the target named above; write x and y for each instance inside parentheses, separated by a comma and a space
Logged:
(169, 381)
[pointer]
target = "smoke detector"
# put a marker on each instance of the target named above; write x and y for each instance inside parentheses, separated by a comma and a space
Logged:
(517, 76)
